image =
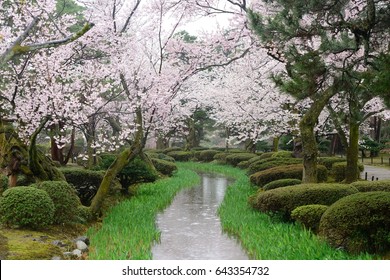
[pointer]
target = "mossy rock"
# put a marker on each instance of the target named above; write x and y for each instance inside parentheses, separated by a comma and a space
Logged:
(293, 171)
(309, 215)
(281, 183)
(359, 223)
(286, 199)
(372, 186)
(26, 207)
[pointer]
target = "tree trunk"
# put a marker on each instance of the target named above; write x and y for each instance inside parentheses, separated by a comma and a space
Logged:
(250, 146)
(309, 149)
(275, 144)
(352, 170)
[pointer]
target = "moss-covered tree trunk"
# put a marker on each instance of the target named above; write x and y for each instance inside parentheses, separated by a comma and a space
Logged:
(352, 171)
(250, 146)
(275, 144)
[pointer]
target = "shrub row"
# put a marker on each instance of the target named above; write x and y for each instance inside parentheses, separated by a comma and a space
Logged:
(281, 183)
(309, 215)
(267, 163)
(285, 172)
(339, 169)
(235, 159)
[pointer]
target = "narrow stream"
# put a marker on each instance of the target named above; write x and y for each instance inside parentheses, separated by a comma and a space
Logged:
(190, 227)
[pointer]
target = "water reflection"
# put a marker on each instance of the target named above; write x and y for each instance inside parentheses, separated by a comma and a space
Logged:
(190, 227)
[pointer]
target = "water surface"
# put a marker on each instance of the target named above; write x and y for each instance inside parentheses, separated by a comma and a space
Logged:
(190, 228)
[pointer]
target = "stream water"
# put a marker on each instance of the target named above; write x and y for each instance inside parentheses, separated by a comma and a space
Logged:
(190, 227)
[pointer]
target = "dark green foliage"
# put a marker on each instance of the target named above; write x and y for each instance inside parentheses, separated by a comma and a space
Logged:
(180, 155)
(221, 157)
(282, 154)
(86, 182)
(372, 186)
(358, 223)
(164, 167)
(281, 183)
(172, 149)
(160, 156)
(284, 200)
(243, 164)
(207, 155)
(254, 159)
(26, 207)
(295, 171)
(65, 200)
(339, 168)
(136, 171)
(3, 182)
(84, 214)
(371, 145)
(328, 161)
(267, 163)
(235, 159)
(309, 215)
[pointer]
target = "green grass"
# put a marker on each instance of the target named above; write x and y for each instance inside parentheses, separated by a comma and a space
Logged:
(128, 230)
(260, 235)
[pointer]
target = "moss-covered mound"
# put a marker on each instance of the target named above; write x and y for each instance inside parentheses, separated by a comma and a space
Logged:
(339, 168)
(309, 215)
(286, 199)
(285, 172)
(359, 222)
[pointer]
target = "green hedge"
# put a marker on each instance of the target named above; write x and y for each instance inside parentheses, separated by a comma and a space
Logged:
(207, 155)
(172, 149)
(359, 223)
(284, 200)
(267, 163)
(26, 207)
(372, 186)
(3, 182)
(221, 157)
(309, 215)
(164, 167)
(339, 168)
(180, 155)
(281, 183)
(266, 155)
(329, 161)
(254, 159)
(235, 159)
(285, 172)
(243, 164)
(282, 154)
(65, 200)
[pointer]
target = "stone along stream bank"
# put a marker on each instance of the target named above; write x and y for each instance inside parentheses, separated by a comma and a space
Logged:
(190, 227)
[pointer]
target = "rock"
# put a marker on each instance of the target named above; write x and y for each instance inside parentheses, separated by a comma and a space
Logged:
(68, 254)
(77, 252)
(56, 258)
(58, 243)
(85, 239)
(81, 245)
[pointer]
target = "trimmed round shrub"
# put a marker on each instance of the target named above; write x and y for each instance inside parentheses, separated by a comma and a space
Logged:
(372, 186)
(266, 155)
(180, 155)
(235, 159)
(243, 164)
(284, 200)
(221, 157)
(267, 163)
(282, 154)
(164, 167)
(309, 215)
(339, 168)
(65, 200)
(207, 155)
(281, 183)
(254, 159)
(329, 161)
(3, 182)
(84, 214)
(359, 223)
(26, 207)
(285, 172)
(172, 149)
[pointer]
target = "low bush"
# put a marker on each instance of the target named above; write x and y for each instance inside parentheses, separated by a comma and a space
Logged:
(86, 182)
(235, 159)
(243, 164)
(180, 155)
(267, 163)
(254, 159)
(284, 200)
(84, 214)
(164, 167)
(309, 215)
(339, 168)
(281, 183)
(329, 161)
(282, 154)
(359, 223)
(172, 149)
(65, 200)
(285, 172)
(221, 157)
(372, 186)
(207, 155)
(266, 155)
(3, 182)
(26, 207)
